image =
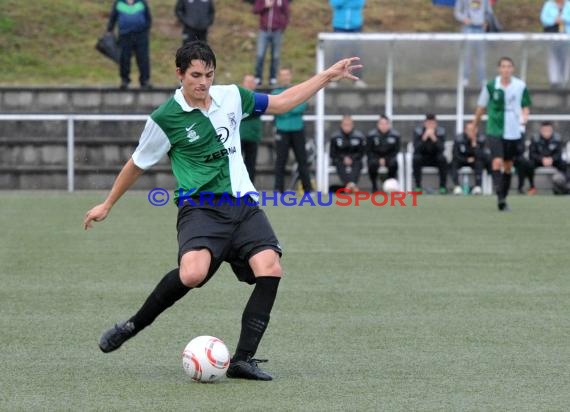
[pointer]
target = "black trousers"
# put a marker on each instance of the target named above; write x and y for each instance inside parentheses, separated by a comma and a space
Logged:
(391, 164)
(137, 43)
(421, 160)
(296, 141)
(189, 34)
(478, 166)
(348, 174)
(249, 153)
(526, 168)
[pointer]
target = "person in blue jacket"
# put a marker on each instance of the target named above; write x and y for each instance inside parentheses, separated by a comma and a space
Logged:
(348, 17)
(555, 18)
(134, 21)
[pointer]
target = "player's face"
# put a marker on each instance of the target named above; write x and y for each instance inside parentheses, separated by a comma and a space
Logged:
(546, 131)
(249, 82)
(383, 125)
(470, 130)
(506, 69)
(347, 125)
(430, 124)
(285, 77)
(196, 81)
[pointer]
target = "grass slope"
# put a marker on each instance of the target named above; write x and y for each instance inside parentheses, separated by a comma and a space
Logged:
(51, 42)
(449, 305)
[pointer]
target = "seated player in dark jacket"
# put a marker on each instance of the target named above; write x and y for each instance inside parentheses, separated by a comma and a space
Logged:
(545, 150)
(429, 142)
(469, 151)
(382, 147)
(347, 150)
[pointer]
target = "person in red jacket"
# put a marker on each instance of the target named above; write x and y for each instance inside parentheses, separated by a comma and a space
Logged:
(273, 20)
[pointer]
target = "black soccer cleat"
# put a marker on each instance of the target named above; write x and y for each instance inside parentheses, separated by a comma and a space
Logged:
(247, 369)
(116, 336)
(503, 206)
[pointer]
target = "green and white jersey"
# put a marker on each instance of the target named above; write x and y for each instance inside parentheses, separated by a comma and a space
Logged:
(504, 107)
(204, 147)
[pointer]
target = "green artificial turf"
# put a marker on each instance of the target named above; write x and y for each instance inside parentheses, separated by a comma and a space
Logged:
(449, 305)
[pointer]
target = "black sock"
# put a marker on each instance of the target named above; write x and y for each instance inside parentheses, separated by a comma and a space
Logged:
(168, 291)
(498, 182)
(506, 184)
(256, 316)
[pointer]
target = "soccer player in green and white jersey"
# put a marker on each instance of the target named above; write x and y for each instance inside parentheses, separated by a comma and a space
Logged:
(199, 130)
(507, 102)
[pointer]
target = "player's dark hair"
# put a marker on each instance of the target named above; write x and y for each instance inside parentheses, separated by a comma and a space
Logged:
(505, 59)
(430, 116)
(547, 123)
(383, 116)
(195, 50)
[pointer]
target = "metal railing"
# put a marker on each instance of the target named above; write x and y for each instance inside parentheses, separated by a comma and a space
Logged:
(70, 120)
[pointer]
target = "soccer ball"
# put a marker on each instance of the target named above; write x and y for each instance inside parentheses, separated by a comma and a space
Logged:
(391, 185)
(205, 359)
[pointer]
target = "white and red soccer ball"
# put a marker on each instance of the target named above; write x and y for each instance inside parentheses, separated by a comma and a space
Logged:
(205, 359)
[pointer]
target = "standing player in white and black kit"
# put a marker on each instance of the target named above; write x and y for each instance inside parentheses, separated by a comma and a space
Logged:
(507, 102)
(199, 130)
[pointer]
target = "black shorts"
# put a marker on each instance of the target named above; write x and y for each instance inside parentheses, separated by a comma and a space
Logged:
(231, 232)
(504, 149)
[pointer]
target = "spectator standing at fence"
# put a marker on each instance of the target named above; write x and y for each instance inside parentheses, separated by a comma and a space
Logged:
(250, 131)
(290, 133)
(429, 145)
(196, 17)
(382, 148)
(348, 17)
(555, 18)
(273, 20)
(472, 15)
(507, 102)
(545, 150)
(469, 151)
(347, 149)
(134, 20)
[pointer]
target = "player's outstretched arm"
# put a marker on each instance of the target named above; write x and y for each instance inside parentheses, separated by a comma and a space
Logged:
(294, 96)
(126, 178)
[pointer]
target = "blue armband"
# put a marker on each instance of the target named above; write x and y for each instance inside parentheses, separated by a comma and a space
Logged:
(261, 101)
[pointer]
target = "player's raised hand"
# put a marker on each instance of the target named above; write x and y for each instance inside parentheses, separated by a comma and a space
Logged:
(97, 214)
(343, 69)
